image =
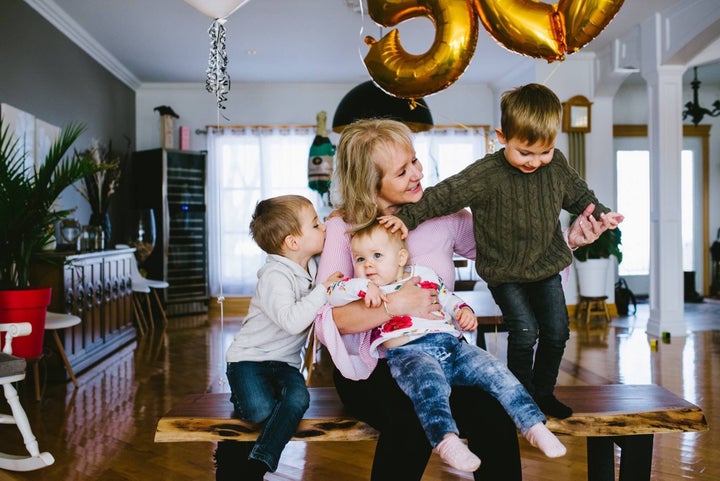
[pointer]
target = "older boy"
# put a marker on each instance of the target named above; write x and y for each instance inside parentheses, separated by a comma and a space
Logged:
(515, 196)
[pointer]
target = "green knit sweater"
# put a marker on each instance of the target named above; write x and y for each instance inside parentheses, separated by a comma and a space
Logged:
(515, 215)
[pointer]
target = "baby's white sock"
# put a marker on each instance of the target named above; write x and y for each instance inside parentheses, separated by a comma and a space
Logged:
(543, 439)
(454, 452)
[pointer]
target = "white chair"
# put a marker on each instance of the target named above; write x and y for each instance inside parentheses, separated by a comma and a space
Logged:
(12, 369)
(143, 286)
(55, 321)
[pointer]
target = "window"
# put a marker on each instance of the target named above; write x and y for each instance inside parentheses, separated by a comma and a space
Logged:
(633, 190)
(248, 164)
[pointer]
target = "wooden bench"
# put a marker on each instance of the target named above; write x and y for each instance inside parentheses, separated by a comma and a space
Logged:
(622, 414)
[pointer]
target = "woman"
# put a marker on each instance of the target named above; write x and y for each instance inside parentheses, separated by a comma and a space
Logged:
(376, 172)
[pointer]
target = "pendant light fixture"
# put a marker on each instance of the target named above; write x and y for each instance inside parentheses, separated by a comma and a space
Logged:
(694, 110)
(368, 101)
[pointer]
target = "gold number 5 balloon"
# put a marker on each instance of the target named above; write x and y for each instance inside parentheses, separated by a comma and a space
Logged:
(414, 76)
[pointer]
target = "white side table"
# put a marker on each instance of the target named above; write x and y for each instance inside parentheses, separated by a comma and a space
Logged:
(55, 321)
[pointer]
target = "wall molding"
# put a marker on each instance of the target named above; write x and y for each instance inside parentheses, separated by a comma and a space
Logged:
(57, 17)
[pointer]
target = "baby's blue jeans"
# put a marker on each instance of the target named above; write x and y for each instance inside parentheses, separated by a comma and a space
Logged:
(426, 367)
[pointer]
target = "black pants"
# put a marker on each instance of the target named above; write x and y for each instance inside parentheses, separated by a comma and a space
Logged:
(403, 450)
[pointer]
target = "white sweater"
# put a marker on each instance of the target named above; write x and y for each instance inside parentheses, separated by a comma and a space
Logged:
(281, 311)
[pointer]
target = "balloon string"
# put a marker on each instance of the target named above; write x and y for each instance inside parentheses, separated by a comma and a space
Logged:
(221, 297)
(552, 72)
(362, 30)
(217, 80)
(414, 104)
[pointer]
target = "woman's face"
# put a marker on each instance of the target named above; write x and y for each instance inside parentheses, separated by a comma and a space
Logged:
(401, 180)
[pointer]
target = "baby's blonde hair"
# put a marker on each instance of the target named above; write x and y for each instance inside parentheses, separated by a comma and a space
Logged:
(530, 113)
(367, 230)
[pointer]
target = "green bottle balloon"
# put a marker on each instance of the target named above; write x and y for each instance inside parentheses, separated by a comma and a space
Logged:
(320, 160)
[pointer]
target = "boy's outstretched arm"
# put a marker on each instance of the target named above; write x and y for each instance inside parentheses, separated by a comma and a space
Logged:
(586, 229)
(393, 223)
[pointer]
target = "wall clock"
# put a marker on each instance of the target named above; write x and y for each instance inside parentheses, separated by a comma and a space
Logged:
(576, 115)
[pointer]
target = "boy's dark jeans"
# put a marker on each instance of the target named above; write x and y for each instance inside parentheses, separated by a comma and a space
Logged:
(534, 312)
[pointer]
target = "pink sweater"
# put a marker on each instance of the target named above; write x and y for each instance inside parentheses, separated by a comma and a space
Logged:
(432, 244)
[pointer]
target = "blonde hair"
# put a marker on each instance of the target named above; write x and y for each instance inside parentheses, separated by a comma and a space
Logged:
(276, 218)
(358, 171)
(530, 113)
(367, 230)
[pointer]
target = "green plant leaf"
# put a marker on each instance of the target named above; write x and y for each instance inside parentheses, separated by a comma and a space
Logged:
(27, 213)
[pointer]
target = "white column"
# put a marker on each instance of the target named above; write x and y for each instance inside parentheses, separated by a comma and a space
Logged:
(665, 138)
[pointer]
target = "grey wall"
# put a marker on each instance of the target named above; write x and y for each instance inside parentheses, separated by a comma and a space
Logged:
(44, 73)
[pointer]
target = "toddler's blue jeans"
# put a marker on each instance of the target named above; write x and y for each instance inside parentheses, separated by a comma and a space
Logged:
(426, 367)
(272, 392)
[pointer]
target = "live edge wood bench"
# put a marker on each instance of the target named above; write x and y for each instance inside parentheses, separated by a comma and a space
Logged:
(612, 414)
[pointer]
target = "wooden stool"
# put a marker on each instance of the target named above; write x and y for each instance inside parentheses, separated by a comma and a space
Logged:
(589, 307)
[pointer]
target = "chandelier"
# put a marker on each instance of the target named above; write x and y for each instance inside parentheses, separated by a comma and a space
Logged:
(694, 110)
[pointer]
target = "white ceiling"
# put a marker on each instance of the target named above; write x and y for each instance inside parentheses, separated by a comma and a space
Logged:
(292, 40)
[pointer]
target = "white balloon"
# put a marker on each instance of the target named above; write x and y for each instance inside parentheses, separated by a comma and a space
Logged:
(217, 8)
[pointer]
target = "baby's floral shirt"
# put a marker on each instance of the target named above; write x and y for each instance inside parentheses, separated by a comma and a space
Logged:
(348, 290)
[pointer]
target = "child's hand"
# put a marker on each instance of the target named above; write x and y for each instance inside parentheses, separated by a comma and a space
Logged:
(611, 219)
(466, 319)
(374, 297)
(585, 230)
(392, 223)
(334, 277)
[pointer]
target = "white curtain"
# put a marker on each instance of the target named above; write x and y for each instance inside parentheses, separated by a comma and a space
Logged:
(247, 164)
(444, 151)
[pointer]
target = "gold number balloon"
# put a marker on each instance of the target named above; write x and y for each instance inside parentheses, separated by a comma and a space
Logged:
(585, 19)
(541, 30)
(527, 27)
(414, 76)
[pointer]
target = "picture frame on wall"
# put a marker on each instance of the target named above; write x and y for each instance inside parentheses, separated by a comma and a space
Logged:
(34, 136)
(21, 125)
(45, 135)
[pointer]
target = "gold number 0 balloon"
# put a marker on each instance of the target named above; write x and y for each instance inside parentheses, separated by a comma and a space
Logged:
(414, 76)
(524, 26)
(585, 19)
(541, 30)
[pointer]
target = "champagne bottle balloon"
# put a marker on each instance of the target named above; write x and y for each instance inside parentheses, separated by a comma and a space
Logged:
(320, 160)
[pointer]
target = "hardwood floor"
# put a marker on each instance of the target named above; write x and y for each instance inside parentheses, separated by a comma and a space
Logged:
(104, 430)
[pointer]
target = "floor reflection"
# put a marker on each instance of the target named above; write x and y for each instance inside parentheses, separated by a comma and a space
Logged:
(105, 429)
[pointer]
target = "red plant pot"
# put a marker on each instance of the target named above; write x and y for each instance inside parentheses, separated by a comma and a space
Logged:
(26, 305)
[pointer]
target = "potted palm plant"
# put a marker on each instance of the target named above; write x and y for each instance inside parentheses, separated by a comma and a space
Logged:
(593, 261)
(27, 216)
